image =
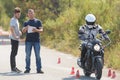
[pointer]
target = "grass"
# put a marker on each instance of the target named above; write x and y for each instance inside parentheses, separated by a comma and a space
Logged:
(112, 57)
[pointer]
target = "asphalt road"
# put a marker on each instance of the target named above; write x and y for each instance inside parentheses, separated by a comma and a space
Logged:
(52, 70)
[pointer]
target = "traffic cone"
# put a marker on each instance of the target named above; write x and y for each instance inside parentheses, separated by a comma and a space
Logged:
(77, 74)
(59, 60)
(72, 71)
(109, 73)
(113, 75)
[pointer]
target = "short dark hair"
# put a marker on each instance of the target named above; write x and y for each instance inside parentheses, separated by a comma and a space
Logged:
(30, 10)
(17, 10)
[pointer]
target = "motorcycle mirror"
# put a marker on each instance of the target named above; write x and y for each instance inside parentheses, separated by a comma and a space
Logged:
(107, 31)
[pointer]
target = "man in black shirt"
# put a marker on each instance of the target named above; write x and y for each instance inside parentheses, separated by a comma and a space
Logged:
(32, 28)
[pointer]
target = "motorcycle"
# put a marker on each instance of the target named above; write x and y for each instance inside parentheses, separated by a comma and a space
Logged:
(94, 57)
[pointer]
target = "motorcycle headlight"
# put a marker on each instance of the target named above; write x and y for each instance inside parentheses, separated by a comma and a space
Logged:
(97, 47)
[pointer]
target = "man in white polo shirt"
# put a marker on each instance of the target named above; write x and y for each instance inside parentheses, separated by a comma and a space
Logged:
(14, 36)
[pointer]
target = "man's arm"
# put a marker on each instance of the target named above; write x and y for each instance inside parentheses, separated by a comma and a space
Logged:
(12, 32)
(103, 34)
(38, 30)
(24, 30)
(81, 33)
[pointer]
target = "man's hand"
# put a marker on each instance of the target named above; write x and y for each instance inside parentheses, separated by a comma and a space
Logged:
(17, 37)
(25, 29)
(35, 30)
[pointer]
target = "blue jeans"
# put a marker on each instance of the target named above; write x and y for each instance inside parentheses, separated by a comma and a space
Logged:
(28, 48)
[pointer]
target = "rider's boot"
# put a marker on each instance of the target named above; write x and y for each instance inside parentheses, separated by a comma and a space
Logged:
(82, 63)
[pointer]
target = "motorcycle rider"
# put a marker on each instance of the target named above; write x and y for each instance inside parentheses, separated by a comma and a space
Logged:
(88, 31)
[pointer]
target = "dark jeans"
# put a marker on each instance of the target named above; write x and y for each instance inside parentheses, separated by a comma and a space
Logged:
(83, 52)
(14, 50)
(28, 48)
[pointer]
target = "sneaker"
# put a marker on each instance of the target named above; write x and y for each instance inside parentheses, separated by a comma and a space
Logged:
(27, 71)
(16, 70)
(40, 71)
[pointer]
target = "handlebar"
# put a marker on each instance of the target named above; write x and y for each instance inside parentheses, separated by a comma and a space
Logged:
(100, 40)
(107, 44)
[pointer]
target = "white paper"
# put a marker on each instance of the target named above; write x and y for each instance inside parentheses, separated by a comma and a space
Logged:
(30, 29)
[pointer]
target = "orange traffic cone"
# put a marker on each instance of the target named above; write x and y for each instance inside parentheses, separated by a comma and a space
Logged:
(77, 74)
(72, 71)
(109, 73)
(113, 75)
(59, 60)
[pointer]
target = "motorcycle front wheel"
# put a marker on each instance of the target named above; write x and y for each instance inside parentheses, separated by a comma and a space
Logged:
(98, 68)
(86, 73)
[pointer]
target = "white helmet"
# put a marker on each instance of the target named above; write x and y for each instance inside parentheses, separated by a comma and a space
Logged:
(90, 18)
